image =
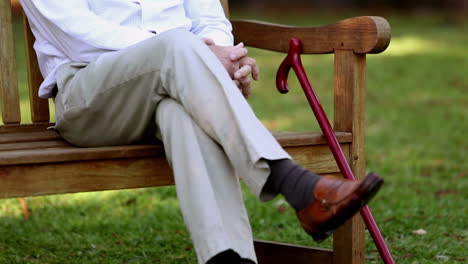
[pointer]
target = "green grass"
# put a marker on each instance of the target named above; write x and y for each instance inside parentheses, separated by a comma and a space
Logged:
(417, 124)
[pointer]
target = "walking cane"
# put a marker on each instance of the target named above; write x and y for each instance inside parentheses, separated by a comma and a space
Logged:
(293, 60)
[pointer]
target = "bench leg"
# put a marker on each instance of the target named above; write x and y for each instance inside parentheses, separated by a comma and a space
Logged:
(279, 253)
(349, 242)
(25, 208)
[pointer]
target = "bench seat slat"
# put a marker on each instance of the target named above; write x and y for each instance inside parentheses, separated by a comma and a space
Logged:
(34, 145)
(291, 139)
(284, 137)
(124, 173)
(15, 128)
(48, 147)
(53, 155)
(29, 136)
(72, 177)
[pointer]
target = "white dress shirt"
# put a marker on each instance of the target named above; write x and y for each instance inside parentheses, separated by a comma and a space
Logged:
(81, 30)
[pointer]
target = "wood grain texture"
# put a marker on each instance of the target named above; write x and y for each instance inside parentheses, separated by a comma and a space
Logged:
(9, 99)
(54, 155)
(350, 86)
(132, 168)
(16, 8)
(318, 159)
(365, 34)
(24, 128)
(29, 136)
(57, 178)
(16, 151)
(291, 139)
(280, 253)
(225, 4)
(39, 106)
(39, 132)
(343, 90)
(34, 145)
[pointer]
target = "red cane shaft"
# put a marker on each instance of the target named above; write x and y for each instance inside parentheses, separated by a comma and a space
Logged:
(293, 60)
(322, 119)
(379, 241)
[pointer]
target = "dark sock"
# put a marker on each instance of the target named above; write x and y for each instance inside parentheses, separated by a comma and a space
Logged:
(229, 257)
(226, 257)
(293, 181)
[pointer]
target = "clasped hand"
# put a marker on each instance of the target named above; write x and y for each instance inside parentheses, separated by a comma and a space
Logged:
(239, 66)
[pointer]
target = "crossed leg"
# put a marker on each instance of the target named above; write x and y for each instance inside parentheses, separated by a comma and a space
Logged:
(207, 186)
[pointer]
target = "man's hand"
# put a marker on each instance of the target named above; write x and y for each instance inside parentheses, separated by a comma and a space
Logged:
(228, 55)
(237, 64)
(247, 66)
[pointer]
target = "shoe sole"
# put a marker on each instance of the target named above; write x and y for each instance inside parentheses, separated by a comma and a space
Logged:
(369, 186)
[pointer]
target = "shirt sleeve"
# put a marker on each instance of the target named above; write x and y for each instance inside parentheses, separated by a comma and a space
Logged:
(209, 21)
(77, 32)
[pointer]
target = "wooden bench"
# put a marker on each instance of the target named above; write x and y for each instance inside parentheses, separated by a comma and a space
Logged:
(36, 161)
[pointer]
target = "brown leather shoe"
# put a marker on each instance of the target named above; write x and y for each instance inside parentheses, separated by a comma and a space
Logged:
(335, 201)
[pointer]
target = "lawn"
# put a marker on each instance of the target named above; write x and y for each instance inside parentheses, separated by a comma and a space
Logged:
(417, 127)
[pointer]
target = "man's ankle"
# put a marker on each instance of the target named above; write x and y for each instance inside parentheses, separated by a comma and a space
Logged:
(293, 181)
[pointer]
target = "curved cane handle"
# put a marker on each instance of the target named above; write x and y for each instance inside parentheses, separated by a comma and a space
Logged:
(293, 58)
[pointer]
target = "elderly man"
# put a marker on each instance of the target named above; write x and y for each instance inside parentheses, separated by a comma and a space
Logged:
(124, 71)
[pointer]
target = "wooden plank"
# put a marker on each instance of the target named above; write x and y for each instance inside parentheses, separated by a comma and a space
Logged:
(30, 133)
(123, 172)
(39, 106)
(29, 136)
(225, 4)
(54, 155)
(16, 8)
(280, 253)
(34, 145)
(57, 178)
(16, 128)
(344, 91)
(9, 99)
(349, 243)
(291, 139)
(318, 159)
(365, 34)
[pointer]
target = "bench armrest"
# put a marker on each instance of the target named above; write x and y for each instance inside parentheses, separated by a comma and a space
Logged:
(366, 34)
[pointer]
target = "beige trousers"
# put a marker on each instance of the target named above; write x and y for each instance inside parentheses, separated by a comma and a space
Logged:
(174, 88)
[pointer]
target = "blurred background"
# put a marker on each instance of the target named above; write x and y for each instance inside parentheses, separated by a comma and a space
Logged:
(416, 134)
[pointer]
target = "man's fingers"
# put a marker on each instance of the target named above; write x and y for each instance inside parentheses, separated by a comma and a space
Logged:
(246, 91)
(253, 65)
(238, 52)
(245, 81)
(243, 72)
(244, 86)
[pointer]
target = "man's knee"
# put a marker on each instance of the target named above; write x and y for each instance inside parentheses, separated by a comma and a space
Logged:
(169, 109)
(178, 40)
